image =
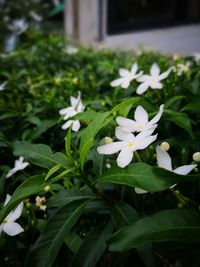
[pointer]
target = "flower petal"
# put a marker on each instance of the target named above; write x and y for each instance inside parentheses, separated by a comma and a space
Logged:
(143, 78)
(117, 82)
(124, 72)
(11, 172)
(156, 85)
(141, 116)
(110, 149)
(158, 116)
(155, 70)
(163, 159)
(12, 228)
(76, 125)
(134, 68)
(142, 144)
(65, 111)
(8, 197)
(142, 88)
(123, 135)
(71, 112)
(140, 191)
(16, 213)
(185, 169)
(165, 74)
(124, 158)
(126, 82)
(130, 125)
(67, 124)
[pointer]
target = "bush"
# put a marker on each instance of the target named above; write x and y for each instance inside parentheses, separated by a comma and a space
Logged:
(81, 207)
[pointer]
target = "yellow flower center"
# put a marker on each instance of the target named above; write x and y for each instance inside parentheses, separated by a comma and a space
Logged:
(130, 144)
(139, 126)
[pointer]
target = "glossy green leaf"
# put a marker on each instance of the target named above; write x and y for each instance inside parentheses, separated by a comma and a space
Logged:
(39, 154)
(169, 225)
(46, 248)
(53, 170)
(144, 176)
(68, 140)
(93, 247)
(172, 100)
(30, 187)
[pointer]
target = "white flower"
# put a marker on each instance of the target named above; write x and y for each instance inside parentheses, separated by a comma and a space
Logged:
(75, 108)
(40, 202)
(18, 166)
(71, 50)
(126, 76)
(18, 26)
(3, 86)
(141, 122)
(165, 162)
(127, 145)
(183, 68)
(9, 226)
(153, 80)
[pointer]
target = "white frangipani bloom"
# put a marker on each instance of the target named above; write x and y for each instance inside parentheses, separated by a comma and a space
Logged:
(153, 80)
(18, 26)
(164, 161)
(9, 226)
(3, 86)
(18, 166)
(126, 76)
(75, 108)
(127, 145)
(141, 122)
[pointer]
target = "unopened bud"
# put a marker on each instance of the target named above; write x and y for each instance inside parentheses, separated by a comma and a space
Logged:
(108, 140)
(196, 170)
(165, 146)
(180, 205)
(47, 188)
(196, 156)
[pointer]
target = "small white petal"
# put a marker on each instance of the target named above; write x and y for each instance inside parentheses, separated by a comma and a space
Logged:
(163, 159)
(140, 191)
(124, 72)
(158, 116)
(155, 70)
(76, 125)
(117, 82)
(134, 68)
(110, 149)
(165, 74)
(67, 124)
(11, 172)
(143, 78)
(123, 135)
(185, 169)
(142, 144)
(71, 112)
(125, 84)
(12, 228)
(142, 88)
(156, 85)
(8, 197)
(65, 111)
(15, 214)
(124, 157)
(127, 123)
(141, 116)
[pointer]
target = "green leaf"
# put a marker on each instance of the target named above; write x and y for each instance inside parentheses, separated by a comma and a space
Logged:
(123, 105)
(123, 214)
(68, 144)
(68, 195)
(172, 100)
(39, 154)
(179, 118)
(89, 133)
(46, 248)
(30, 187)
(93, 247)
(169, 225)
(144, 176)
(73, 242)
(86, 115)
(52, 171)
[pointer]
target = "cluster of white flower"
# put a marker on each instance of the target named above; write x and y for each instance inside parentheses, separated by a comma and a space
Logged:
(152, 80)
(129, 143)
(75, 108)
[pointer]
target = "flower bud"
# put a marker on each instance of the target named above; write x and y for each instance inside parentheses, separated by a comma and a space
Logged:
(108, 140)
(47, 188)
(196, 156)
(165, 146)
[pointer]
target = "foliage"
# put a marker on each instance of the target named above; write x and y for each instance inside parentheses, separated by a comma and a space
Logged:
(92, 215)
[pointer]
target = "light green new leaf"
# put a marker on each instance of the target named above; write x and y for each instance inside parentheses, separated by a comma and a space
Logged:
(44, 251)
(68, 144)
(169, 225)
(30, 187)
(53, 170)
(144, 176)
(92, 247)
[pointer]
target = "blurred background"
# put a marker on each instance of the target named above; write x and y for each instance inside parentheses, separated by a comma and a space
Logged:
(168, 26)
